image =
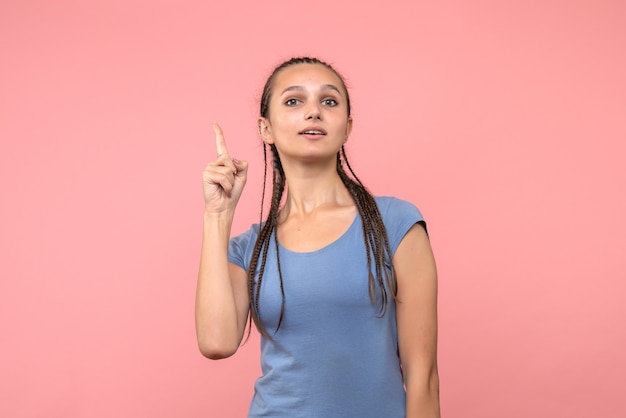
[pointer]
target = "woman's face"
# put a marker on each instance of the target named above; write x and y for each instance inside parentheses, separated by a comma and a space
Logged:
(308, 114)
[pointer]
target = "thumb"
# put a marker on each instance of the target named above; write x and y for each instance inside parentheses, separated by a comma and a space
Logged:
(241, 166)
(241, 177)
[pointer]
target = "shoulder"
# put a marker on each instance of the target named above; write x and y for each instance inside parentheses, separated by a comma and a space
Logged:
(250, 235)
(241, 247)
(392, 207)
(398, 216)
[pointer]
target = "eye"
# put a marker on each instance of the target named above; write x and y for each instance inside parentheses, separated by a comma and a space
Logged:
(329, 102)
(292, 102)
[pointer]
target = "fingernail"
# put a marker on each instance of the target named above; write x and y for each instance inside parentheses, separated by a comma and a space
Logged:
(236, 161)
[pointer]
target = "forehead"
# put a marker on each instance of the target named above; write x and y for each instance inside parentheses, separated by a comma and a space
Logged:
(306, 75)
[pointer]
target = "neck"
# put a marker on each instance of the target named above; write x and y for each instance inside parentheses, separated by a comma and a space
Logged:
(312, 187)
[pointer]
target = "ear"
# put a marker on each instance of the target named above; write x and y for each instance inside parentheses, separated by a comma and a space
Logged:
(265, 130)
(348, 127)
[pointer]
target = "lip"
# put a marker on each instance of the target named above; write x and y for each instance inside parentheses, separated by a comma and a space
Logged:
(313, 128)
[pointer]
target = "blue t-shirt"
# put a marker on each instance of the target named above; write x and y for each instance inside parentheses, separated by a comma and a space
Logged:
(333, 355)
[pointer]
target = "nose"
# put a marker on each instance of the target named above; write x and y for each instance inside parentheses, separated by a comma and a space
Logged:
(313, 111)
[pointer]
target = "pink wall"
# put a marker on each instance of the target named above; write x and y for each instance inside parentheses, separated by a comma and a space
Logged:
(505, 122)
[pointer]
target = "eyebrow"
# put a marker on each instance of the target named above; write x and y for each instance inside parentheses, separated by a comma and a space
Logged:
(301, 88)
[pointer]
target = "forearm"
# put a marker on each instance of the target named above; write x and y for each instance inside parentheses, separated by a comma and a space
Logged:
(422, 396)
(217, 323)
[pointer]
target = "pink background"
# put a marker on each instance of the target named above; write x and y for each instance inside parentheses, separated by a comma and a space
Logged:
(504, 121)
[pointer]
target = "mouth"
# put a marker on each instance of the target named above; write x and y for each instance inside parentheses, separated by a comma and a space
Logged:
(313, 131)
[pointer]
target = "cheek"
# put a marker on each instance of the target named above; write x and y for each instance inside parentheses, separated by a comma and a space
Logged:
(341, 122)
(286, 120)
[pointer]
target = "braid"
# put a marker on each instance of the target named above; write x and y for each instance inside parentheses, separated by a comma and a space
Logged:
(381, 274)
(264, 181)
(261, 247)
(374, 236)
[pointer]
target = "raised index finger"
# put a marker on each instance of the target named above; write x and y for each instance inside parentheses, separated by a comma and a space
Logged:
(219, 140)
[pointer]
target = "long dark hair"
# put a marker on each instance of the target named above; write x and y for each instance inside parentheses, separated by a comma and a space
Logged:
(375, 237)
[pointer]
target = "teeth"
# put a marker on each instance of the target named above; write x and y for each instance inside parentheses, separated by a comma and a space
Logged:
(314, 132)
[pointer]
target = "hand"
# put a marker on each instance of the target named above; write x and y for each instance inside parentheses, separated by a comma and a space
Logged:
(223, 179)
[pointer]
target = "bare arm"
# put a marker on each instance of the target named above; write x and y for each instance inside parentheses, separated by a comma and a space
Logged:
(221, 293)
(417, 323)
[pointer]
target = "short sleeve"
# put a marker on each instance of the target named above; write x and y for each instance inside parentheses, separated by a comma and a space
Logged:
(398, 216)
(240, 247)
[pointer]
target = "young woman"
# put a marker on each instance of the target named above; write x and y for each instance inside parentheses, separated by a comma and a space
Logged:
(341, 285)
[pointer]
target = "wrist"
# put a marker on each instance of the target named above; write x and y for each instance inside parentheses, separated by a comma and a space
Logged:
(221, 220)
